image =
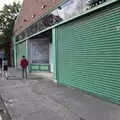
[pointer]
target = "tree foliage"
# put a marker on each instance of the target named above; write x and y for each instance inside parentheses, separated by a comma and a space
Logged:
(7, 18)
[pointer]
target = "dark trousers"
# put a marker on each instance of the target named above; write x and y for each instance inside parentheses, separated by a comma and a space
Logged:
(24, 73)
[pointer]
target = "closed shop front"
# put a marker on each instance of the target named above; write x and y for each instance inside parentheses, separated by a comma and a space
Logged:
(88, 52)
(21, 51)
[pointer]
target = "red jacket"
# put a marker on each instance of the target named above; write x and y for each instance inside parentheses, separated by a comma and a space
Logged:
(24, 63)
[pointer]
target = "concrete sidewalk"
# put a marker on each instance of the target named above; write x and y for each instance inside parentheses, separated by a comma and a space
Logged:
(38, 98)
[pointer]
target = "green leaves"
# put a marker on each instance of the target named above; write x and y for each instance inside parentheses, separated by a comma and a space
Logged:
(7, 18)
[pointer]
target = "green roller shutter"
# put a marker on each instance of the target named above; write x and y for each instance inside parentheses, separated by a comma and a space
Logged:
(21, 51)
(88, 52)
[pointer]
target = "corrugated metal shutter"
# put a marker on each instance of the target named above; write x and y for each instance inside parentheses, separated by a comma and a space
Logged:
(39, 51)
(39, 54)
(21, 51)
(88, 52)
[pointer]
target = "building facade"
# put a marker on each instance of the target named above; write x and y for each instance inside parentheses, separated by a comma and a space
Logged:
(82, 51)
(37, 47)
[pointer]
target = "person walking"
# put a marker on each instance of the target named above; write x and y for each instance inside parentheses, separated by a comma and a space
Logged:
(5, 68)
(0, 66)
(24, 64)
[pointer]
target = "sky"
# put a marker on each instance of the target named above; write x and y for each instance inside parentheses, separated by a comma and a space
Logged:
(2, 2)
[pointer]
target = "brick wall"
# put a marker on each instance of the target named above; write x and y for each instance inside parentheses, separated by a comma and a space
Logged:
(32, 10)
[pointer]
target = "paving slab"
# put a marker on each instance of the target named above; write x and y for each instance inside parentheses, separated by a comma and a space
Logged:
(39, 98)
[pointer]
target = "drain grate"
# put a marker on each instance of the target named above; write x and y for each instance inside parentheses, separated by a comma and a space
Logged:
(4, 115)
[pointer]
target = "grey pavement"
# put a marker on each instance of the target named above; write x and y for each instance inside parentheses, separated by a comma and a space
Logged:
(39, 98)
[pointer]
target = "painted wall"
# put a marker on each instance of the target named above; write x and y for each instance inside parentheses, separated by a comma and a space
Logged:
(51, 57)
